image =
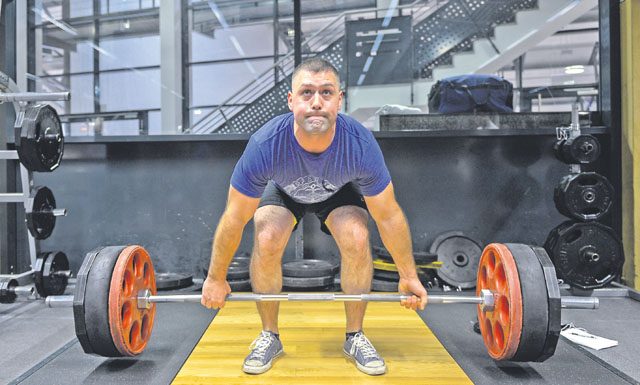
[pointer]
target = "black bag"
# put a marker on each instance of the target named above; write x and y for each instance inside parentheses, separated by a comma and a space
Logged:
(471, 93)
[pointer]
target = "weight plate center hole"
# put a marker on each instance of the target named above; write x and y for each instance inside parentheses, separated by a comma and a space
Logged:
(461, 260)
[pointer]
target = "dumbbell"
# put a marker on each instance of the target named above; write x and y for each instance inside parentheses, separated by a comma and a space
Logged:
(517, 297)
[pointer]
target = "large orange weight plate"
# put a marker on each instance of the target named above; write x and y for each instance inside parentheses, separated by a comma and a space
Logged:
(131, 326)
(501, 328)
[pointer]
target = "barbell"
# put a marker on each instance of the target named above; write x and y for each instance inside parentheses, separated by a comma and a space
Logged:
(517, 296)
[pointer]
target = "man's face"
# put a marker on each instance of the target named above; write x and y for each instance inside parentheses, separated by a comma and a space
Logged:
(315, 100)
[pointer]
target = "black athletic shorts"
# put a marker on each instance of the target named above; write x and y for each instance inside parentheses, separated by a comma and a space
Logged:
(348, 195)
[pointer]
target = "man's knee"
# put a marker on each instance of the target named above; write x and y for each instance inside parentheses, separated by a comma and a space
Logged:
(273, 225)
(354, 240)
(270, 243)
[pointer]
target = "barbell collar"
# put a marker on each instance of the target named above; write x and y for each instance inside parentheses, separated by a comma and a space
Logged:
(579, 302)
(59, 212)
(23, 291)
(59, 301)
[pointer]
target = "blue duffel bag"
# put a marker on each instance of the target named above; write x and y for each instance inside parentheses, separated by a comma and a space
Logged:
(471, 93)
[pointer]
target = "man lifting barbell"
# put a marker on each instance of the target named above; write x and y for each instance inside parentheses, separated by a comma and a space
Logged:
(312, 160)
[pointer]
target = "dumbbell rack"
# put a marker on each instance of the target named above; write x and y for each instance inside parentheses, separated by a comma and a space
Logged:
(9, 92)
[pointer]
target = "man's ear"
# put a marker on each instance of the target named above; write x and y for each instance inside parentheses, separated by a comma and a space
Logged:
(290, 100)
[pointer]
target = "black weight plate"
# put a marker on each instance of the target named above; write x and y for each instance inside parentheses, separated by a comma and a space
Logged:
(535, 310)
(557, 150)
(308, 268)
(46, 280)
(173, 281)
(326, 288)
(39, 215)
(307, 282)
(238, 270)
(96, 302)
(420, 257)
(7, 293)
(554, 304)
(424, 257)
(78, 300)
(380, 285)
(582, 149)
(382, 253)
(552, 238)
(240, 285)
(586, 196)
(384, 275)
(587, 255)
(460, 256)
(41, 143)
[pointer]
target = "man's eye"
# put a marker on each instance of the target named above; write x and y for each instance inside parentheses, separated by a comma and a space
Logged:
(306, 92)
(326, 92)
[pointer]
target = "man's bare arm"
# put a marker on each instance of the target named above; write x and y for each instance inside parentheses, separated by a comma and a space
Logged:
(238, 212)
(395, 234)
(394, 230)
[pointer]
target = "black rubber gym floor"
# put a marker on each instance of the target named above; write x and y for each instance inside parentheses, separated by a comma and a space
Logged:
(38, 346)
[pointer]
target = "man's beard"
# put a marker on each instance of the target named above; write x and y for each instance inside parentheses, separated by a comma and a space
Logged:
(316, 125)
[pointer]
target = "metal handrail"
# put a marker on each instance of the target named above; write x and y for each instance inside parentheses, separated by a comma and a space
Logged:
(285, 61)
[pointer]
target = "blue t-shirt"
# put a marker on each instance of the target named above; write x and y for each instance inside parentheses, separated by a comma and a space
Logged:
(273, 153)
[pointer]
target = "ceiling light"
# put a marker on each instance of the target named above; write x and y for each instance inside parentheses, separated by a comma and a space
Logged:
(574, 70)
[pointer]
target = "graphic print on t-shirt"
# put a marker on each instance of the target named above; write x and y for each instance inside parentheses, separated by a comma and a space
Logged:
(310, 189)
(274, 154)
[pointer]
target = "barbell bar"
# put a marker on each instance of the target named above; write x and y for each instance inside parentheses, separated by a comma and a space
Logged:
(486, 299)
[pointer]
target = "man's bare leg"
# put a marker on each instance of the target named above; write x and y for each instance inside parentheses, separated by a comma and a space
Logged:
(348, 225)
(273, 226)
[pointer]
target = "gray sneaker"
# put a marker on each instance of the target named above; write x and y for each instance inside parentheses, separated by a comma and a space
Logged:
(264, 350)
(367, 360)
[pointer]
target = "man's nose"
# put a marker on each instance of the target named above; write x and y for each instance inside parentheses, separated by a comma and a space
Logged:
(316, 101)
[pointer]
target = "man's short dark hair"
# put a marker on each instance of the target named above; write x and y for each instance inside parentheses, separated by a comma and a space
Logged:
(316, 65)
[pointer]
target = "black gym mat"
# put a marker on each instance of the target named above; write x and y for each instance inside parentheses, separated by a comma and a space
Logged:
(29, 333)
(617, 319)
(453, 327)
(177, 329)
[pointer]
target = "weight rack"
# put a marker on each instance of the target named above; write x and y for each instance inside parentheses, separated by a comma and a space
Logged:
(9, 92)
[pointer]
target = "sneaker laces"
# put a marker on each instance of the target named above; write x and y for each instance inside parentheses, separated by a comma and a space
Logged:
(360, 341)
(260, 345)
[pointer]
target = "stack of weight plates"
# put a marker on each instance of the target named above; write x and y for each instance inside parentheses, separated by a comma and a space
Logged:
(385, 272)
(173, 281)
(308, 275)
(237, 274)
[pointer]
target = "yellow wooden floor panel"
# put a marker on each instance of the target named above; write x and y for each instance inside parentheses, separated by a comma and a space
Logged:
(313, 334)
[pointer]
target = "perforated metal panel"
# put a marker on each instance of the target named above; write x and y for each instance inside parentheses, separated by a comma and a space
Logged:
(274, 101)
(455, 26)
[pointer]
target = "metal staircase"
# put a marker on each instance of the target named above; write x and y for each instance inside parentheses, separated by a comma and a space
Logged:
(508, 41)
(266, 96)
(450, 38)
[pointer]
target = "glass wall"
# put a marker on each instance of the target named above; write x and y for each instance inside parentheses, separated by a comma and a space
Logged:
(128, 69)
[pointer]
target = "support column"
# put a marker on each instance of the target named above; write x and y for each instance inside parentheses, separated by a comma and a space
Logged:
(630, 152)
(171, 66)
(297, 27)
(21, 44)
